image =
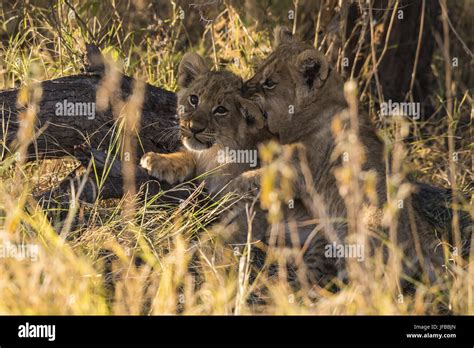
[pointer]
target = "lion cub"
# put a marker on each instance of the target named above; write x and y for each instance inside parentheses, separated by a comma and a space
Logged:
(220, 130)
(216, 122)
(297, 75)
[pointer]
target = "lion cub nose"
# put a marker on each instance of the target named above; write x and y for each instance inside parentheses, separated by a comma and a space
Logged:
(196, 127)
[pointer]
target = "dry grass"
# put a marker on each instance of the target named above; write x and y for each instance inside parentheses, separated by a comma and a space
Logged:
(159, 259)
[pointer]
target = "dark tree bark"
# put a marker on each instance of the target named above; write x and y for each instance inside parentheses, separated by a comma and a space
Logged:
(395, 69)
(86, 137)
(61, 134)
(397, 66)
(112, 187)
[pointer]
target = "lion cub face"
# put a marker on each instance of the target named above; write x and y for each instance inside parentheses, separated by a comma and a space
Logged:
(211, 109)
(291, 79)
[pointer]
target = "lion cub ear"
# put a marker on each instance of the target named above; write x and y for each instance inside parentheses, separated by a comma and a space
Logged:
(281, 35)
(313, 66)
(250, 111)
(192, 65)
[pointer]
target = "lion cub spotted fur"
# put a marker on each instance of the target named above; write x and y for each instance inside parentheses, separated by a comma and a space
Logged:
(297, 74)
(213, 118)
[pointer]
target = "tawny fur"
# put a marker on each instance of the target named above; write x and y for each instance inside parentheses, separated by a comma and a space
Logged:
(240, 128)
(298, 75)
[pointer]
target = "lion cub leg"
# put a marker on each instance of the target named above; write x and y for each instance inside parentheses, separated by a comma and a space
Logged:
(171, 167)
(247, 182)
(292, 159)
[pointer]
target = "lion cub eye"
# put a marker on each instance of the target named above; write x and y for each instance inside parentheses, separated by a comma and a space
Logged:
(269, 84)
(220, 110)
(193, 100)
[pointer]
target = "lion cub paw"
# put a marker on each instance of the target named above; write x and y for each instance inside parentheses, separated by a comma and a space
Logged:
(247, 182)
(165, 168)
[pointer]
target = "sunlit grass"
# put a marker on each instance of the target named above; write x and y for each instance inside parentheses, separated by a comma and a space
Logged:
(163, 259)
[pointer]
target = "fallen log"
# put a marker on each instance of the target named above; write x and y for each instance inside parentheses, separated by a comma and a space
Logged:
(100, 176)
(60, 131)
(88, 134)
